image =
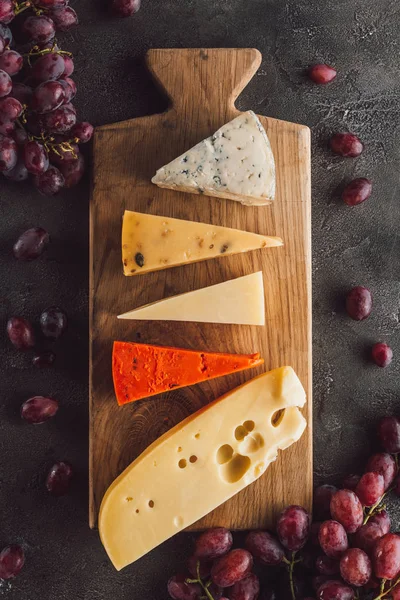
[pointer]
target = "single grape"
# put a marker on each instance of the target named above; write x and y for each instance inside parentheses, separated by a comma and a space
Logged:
(43, 360)
(204, 567)
(64, 18)
(8, 153)
(73, 171)
(322, 73)
(20, 136)
(38, 29)
(39, 409)
(382, 354)
(3, 44)
(11, 62)
(53, 322)
(359, 303)
(18, 173)
(333, 539)
(50, 182)
(7, 127)
(60, 120)
(347, 509)
(346, 144)
(264, 547)
(327, 565)
(11, 108)
(48, 96)
(314, 533)
(35, 158)
(350, 482)
(69, 88)
(335, 590)
(246, 589)
(381, 519)
(370, 488)
(12, 559)
(59, 479)
(322, 501)
(70, 106)
(7, 12)
(213, 543)
(386, 556)
(20, 333)
(5, 84)
(125, 8)
(48, 67)
(31, 244)
(389, 434)
(367, 536)
(69, 65)
(293, 527)
(82, 132)
(5, 33)
(355, 567)
(231, 567)
(178, 589)
(357, 191)
(384, 464)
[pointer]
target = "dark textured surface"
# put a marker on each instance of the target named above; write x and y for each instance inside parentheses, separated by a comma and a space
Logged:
(65, 559)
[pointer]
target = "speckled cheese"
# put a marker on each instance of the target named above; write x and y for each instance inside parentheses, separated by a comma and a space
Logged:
(150, 242)
(235, 163)
(200, 463)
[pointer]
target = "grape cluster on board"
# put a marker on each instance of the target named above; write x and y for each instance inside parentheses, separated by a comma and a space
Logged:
(346, 553)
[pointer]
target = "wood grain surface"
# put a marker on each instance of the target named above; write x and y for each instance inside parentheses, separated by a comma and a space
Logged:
(203, 85)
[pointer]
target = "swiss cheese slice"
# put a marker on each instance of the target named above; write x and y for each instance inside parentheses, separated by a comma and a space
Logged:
(150, 242)
(143, 370)
(235, 163)
(239, 301)
(200, 463)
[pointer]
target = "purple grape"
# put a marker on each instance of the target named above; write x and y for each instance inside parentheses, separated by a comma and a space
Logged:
(264, 547)
(359, 303)
(20, 136)
(59, 479)
(7, 127)
(11, 108)
(60, 120)
(3, 44)
(382, 354)
(53, 322)
(11, 62)
(31, 244)
(231, 568)
(35, 158)
(20, 333)
(357, 191)
(389, 434)
(48, 67)
(246, 589)
(8, 153)
(69, 89)
(125, 8)
(384, 464)
(7, 12)
(335, 590)
(38, 29)
(346, 144)
(350, 482)
(333, 539)
(367, 536)
(39, 409)
(5, 84)
(50, 182)
(355, 567)
(347, 509)
(386, 556)
(82, 132)
(178, 589)
(293, 527)
(322, 501)
(12, 559)
(381, 519)
(5, 33)
(69, 65)
(64, 18)
(73, 171)
(213, 543)
(370, 488)
(18, 173)
(43, 360)
(47, 97)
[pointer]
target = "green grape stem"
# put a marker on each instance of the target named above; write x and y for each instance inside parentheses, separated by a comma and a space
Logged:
(19, 8)
(384, 593)
(290, 564)
(199, 580)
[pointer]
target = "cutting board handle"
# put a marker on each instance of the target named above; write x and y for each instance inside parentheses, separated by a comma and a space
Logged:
(203, 78)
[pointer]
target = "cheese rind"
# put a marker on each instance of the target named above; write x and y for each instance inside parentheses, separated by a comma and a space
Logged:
(239, 301)
(151, 242)
(236, 163)
(200, 463)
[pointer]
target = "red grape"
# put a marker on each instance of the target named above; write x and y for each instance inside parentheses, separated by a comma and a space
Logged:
(48, 67)
(2, 44)
(204, 567)
(382, 354)
(381, 519)
(231, 567)
(333, 539)
(322, 501)
(7, 12)
(347, 509)
(18, 173)
(213, 543)
(53, 322)
(178, 589)
(31, 244)
(48, 96)
(64, 18)
(38, 29)
(43, 360)
(359, 303)
(395, 593)
(35, 158)
(264, 547)
(346, 144)
(12, 559)
(8, 153)
(355, 567)
(350, 482)
(386, 556)
(370, 488)
(20, 136)
(5, 84)
(389, 434)
(59, 479)
(335, 590)
(11, 108)
(11, 62)
(73, 171)
(322, 73)
(39, 409)
(246, 589)
(125, 8)
(69, 104)
(20, 333)
(384, 464)
(7, 127)
(293, 527)
(367, 535)
(69, 88)
(327, 565)
(82, 132)
(357, 191)
(50, 182)
(69, 65)
(60, 120)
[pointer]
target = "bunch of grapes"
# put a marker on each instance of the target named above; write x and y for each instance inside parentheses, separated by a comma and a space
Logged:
(39, 130)
(347, 553)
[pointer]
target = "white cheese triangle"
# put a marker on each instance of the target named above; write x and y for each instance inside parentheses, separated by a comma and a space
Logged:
(236, 163)
(239, 301)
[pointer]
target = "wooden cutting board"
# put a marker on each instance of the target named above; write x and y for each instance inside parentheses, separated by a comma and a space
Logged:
(203, 86)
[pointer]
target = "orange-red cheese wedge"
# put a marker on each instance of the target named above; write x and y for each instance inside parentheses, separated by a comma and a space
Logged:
(141, 370)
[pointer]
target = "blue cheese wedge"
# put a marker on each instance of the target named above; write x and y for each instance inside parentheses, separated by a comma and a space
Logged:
(235, 163)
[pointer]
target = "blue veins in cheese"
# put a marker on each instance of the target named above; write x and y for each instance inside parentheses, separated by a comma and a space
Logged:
(236, 163)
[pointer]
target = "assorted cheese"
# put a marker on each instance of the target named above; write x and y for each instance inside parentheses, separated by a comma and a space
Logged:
(239, 301)
(150, 242)
(201, 463)
(235, 163)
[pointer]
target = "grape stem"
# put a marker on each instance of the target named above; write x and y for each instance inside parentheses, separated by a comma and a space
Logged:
(383, 592)
(290, 564)
(19, 8)
(205, 586)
